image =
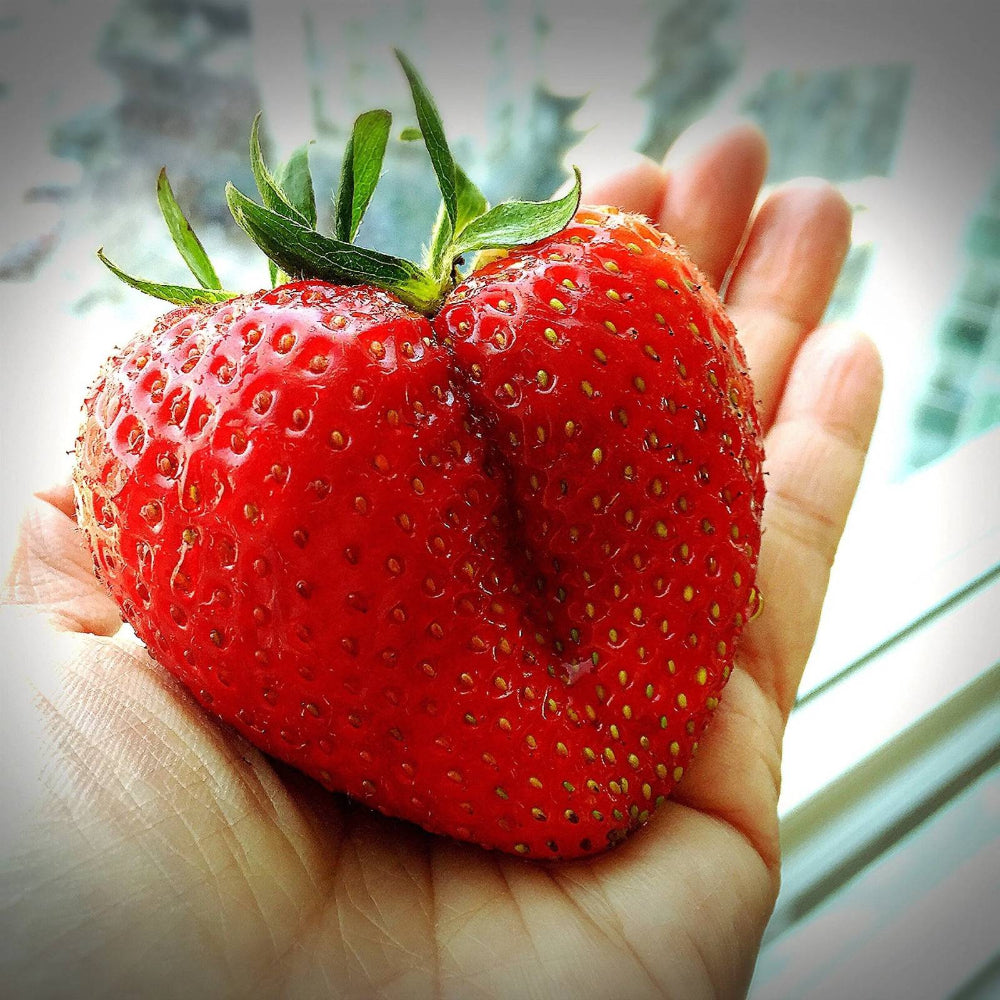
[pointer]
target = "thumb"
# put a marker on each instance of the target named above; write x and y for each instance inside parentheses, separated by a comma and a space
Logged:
(51, 570)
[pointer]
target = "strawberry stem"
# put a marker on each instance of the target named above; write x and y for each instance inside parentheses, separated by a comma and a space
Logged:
(284, 226)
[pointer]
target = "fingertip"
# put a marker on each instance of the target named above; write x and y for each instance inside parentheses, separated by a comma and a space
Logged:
(712, 186)
(792, 258)
(842, 343)
(862, 377)
(746, 142)
(817, 199)
(61, 496)
(638, 185)
(859, 346)
(707, 135)
(838, 374)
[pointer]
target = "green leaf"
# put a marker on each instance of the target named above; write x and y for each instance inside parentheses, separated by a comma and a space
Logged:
(272, 195)
(187, 243)
(361, 170)
(410, 134)
(471, 203)
(432, 130)
(294, 180)
(514, 223)
(180, 295)
(300, 250)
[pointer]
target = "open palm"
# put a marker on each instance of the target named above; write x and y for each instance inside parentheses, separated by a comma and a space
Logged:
(149, 851)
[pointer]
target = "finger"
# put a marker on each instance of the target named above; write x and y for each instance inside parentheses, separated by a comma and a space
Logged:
(638, 187)
(780, 288)
(61, 497)
(736, 774)
(710, 195)
(52, 570)
(815, 453)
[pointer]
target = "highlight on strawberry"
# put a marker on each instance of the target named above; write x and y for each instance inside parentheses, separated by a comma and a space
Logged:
(472, 540)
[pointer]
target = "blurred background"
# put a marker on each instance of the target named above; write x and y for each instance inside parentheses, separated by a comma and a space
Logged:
(891, 804)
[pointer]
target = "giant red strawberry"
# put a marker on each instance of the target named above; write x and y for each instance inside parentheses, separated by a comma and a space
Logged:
(478, 556)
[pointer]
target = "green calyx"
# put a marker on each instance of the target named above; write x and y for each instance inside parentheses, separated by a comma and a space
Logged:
(284, 224)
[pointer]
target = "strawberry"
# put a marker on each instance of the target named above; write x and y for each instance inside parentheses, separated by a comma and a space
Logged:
(476, 551)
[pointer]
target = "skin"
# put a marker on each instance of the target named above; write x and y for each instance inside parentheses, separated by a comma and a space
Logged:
(148, 851)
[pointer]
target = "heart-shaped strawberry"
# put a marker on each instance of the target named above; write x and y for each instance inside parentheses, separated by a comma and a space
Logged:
(476, 555)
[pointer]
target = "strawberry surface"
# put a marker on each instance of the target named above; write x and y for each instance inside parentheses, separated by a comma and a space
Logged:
(486, 573)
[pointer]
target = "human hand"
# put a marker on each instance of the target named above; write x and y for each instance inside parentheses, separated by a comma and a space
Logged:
(160, 854)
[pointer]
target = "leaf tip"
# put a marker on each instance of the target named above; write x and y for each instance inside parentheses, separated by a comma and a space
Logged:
(235, 199)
